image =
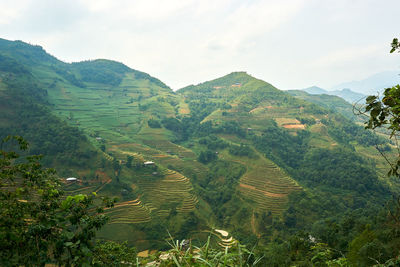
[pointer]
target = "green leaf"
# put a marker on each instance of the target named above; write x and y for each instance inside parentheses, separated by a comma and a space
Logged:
(69, 235)
(176, 261)
(370, 99)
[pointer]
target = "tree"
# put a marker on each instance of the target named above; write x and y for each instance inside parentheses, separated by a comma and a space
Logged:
(37, 224)
(395, 45)
(129, 160)
(385, 113)
(111, 253)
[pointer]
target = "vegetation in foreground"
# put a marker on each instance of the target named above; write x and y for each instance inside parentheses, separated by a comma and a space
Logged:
(37, 224)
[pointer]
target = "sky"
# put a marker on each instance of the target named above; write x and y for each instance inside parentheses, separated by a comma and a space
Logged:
(288, 43)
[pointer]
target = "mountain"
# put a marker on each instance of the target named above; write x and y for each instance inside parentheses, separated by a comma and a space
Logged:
(25, 111)
(234, 153)
(372, 84)
(330, 102)
(347, 94)
(248, 112)
(315, 90)
(116, 113)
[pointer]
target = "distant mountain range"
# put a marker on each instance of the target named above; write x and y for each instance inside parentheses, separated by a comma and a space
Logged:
(346, 93)
(372, 84)
(355, 91)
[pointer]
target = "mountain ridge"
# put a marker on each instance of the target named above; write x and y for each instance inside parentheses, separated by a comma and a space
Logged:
(345, 93)
(372, 84)
(233, 152)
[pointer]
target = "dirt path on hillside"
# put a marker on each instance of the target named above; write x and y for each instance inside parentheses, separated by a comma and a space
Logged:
(294, 126)
(103, 185)
(135, 202)
(269, 194)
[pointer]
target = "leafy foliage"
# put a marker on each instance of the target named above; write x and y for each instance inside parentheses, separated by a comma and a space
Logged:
(10, 65)
(101, 71)
(37, 225)
(183, 253)
(339, 168)
(207, 156)
(242, 150)
(385, 113)
(154, 123)
(26, 53)
(395, 45)
(109, 253)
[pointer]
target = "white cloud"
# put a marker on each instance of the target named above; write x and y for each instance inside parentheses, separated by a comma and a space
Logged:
(9, 12)
(291, 43)
(256, 19)
(137, 10)
(341, 57)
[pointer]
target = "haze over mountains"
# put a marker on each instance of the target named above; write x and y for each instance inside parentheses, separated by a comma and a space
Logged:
(234, 153)
(356, 91)
(347, 94)
(372, 84)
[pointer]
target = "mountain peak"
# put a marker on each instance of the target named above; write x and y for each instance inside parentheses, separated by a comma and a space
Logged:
(372, 84)
(315, 90)
(345, 93)
(26, 53)
(240, 76)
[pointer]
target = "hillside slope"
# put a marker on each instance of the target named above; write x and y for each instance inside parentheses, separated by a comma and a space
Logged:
(230, 153)
(94, 117)
(260, 121)
(330, 102)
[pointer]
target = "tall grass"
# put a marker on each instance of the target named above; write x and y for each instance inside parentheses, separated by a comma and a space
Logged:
(183, 253)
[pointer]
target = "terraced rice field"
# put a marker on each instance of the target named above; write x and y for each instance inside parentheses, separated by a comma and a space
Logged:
(225, 240)
(113, 113)
(170, 148)
(264, 183)
(128, 212)
(284, 121)
(268, 186)
(174, 189)
(72, 188)
(189, 167)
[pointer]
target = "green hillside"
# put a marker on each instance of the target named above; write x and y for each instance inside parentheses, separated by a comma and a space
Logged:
(330, 102)
(264, 124)
(234, 153)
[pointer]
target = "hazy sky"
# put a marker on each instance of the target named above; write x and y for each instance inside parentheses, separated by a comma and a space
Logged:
(289, 43)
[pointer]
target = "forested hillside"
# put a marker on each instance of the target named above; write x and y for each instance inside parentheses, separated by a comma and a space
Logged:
(234, 153)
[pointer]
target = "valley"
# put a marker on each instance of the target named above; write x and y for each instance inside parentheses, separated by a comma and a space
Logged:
(234, 153)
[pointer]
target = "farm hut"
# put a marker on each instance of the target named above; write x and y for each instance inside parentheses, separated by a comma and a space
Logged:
(148, 163)
(236, 85)
(71, 179)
